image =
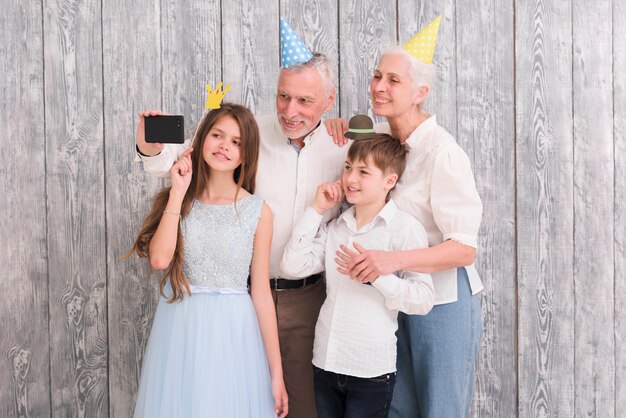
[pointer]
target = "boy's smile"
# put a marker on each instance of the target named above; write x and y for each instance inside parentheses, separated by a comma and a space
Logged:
(364, 184)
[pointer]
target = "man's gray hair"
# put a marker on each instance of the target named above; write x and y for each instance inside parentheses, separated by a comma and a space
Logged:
(324, 66)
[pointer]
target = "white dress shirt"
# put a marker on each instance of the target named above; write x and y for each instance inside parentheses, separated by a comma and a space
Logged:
(438, 189)
(286, 179)
(355, 332)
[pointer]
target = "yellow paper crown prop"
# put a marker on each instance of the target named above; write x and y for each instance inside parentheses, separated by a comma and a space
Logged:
(422, 45)
(214, 97)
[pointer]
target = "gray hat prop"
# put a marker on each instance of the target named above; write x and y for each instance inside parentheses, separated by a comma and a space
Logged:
(361, 127)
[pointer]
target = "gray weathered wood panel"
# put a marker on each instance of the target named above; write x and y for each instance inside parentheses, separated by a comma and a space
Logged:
(76, 218)
(544, 157)
(191, 57)
(619, 243)
(24, 365)
(594, 348)
(365, 30)
(315, 21)
(250, 27)
(413, 15)
(485, 129)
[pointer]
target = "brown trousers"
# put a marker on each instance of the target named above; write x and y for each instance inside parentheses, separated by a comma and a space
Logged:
(296, 312)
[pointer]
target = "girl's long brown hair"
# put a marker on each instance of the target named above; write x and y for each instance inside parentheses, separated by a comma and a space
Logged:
(244, 176)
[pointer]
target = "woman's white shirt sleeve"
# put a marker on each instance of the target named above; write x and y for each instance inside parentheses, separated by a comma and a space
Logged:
(408, 291)
(456, 206)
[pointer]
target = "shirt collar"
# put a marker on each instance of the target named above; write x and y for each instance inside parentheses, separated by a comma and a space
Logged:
(386, 214)
(417, 140)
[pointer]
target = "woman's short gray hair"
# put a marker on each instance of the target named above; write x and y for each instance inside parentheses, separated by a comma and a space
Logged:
(421, 73)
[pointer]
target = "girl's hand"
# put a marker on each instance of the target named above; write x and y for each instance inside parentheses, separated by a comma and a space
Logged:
(281, 400)
(147, 148)
(181, 172)
(337, 128)
(364, 265)
(327, 196)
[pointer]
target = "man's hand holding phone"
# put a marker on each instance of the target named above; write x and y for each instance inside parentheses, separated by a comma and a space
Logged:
(156, 128)
(146, 148)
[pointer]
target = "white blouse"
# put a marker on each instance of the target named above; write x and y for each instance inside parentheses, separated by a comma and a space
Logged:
(438, 188)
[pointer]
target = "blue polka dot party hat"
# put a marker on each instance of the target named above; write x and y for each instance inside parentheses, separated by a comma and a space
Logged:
(292, 49)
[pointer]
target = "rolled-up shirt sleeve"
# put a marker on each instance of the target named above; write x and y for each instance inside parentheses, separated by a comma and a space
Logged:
(160, 164)
(456, 205)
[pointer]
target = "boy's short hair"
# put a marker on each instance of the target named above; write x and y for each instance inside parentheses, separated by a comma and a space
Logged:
(386, 152)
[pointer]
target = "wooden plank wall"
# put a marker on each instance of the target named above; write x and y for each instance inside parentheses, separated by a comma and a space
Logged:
(545, 205)
(24, 312)
(533, 91)
(594, 349)
(619, 216)
(76, 239)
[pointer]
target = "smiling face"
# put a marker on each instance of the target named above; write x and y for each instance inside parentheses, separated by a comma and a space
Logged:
(301, 100)
(365, 184)
(221, 149)
(392, 88)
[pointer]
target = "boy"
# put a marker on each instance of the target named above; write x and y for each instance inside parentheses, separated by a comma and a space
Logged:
(354, 354)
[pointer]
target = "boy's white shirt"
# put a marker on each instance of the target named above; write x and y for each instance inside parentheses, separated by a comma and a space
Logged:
(355, 331)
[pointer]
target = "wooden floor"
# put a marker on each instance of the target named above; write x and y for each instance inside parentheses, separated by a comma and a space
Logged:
(534, 91)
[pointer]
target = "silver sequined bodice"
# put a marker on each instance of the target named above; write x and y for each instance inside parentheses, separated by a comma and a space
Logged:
(218, 243)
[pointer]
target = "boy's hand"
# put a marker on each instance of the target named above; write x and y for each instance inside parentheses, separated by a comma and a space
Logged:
(327, 196)
(181, 173)
(146, 148)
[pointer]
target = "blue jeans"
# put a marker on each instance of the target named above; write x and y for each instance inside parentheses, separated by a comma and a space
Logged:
(437, 357)
(339, 396)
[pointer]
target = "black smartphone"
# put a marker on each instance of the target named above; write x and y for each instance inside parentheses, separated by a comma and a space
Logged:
(167, 129)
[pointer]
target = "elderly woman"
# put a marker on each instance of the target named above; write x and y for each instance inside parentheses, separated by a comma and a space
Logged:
(437, 352)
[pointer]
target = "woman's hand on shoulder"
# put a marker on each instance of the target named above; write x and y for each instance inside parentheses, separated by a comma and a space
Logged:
(336, 128)
(181, 173)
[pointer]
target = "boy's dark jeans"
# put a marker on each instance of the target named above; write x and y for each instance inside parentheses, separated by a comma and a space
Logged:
(341, 396)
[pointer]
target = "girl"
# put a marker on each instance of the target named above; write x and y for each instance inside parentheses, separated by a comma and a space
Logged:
(211, 341)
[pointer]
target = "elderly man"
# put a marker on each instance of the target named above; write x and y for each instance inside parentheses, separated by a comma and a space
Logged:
(296, 155)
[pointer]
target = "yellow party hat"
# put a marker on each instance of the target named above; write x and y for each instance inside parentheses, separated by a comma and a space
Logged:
(422, 45)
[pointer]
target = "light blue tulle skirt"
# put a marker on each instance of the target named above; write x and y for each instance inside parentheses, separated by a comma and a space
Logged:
(205, 358)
